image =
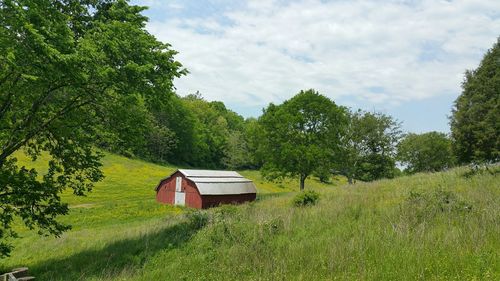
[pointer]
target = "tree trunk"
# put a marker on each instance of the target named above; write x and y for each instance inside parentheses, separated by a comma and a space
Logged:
(302, 181)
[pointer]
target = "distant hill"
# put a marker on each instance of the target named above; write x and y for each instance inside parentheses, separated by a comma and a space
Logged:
(424, 227)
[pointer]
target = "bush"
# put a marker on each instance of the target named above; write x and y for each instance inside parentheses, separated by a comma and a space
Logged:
(306, 198)
(424, 207)
(197, 219)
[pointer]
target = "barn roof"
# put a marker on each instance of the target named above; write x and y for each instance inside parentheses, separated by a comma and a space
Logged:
(210, 173)
(213, 182)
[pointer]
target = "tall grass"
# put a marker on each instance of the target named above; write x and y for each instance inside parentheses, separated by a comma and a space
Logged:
(441, 226)
(363, 232)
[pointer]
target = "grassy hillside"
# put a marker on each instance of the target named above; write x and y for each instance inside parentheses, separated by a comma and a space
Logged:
(120, 207)
(442, 226)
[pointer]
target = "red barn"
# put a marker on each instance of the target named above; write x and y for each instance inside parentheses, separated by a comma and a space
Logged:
(205, 188)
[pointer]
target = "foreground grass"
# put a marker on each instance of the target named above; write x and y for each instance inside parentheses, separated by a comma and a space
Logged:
(372, 231)
(365, 232)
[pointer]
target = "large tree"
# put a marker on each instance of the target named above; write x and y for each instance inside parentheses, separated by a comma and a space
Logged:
(210, 135)
(218, 135)
(62, 65)
(369, 147)
(300, 136)
(427, 152)
(475, 120)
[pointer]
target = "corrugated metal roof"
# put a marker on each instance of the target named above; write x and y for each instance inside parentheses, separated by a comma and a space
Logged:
(213, 182)
(222, 188)
(210, 173)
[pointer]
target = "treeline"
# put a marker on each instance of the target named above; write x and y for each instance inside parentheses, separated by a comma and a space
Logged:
(191, 131)
(187, 131)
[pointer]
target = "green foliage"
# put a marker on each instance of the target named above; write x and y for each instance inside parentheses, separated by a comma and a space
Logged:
(197, 219)
(428, 152)
(175, 116)
(425, 207)
(141, 132)
(211, 131)
(236, 154)
(300, 136)
(306, 198)
(65, 65)
(475, 120)
(240, 152)
(219, 136)
(253, 135)
(78, 74)
(369, 147)
(324, 174)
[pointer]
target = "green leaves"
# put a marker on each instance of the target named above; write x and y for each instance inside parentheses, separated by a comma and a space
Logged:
(369, 147)
(306, 198)
(69, 68)
(219, 139)
(300, 136)
(428, 152)
(475, 120)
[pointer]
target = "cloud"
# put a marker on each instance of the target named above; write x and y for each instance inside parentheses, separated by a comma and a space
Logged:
(358, 52)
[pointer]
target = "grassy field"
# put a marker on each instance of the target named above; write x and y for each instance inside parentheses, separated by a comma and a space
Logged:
(441, 226)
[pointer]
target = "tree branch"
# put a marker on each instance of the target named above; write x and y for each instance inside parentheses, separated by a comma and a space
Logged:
(72, 105)
(8, 101)
(35, 108)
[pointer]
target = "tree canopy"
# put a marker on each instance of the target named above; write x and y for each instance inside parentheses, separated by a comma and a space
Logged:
(300, 136)
(369, 146)
(63, 67)
(475, 120)
(428, 152)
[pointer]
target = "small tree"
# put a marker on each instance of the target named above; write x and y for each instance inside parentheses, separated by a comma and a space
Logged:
(475, 120)
(429, 152)
(300, 136)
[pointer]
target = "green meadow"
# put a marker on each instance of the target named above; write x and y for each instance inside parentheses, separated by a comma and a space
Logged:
(439, 226)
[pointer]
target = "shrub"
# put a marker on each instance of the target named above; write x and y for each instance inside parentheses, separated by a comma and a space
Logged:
(306, 198)
(423, 207)
(197, 219)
